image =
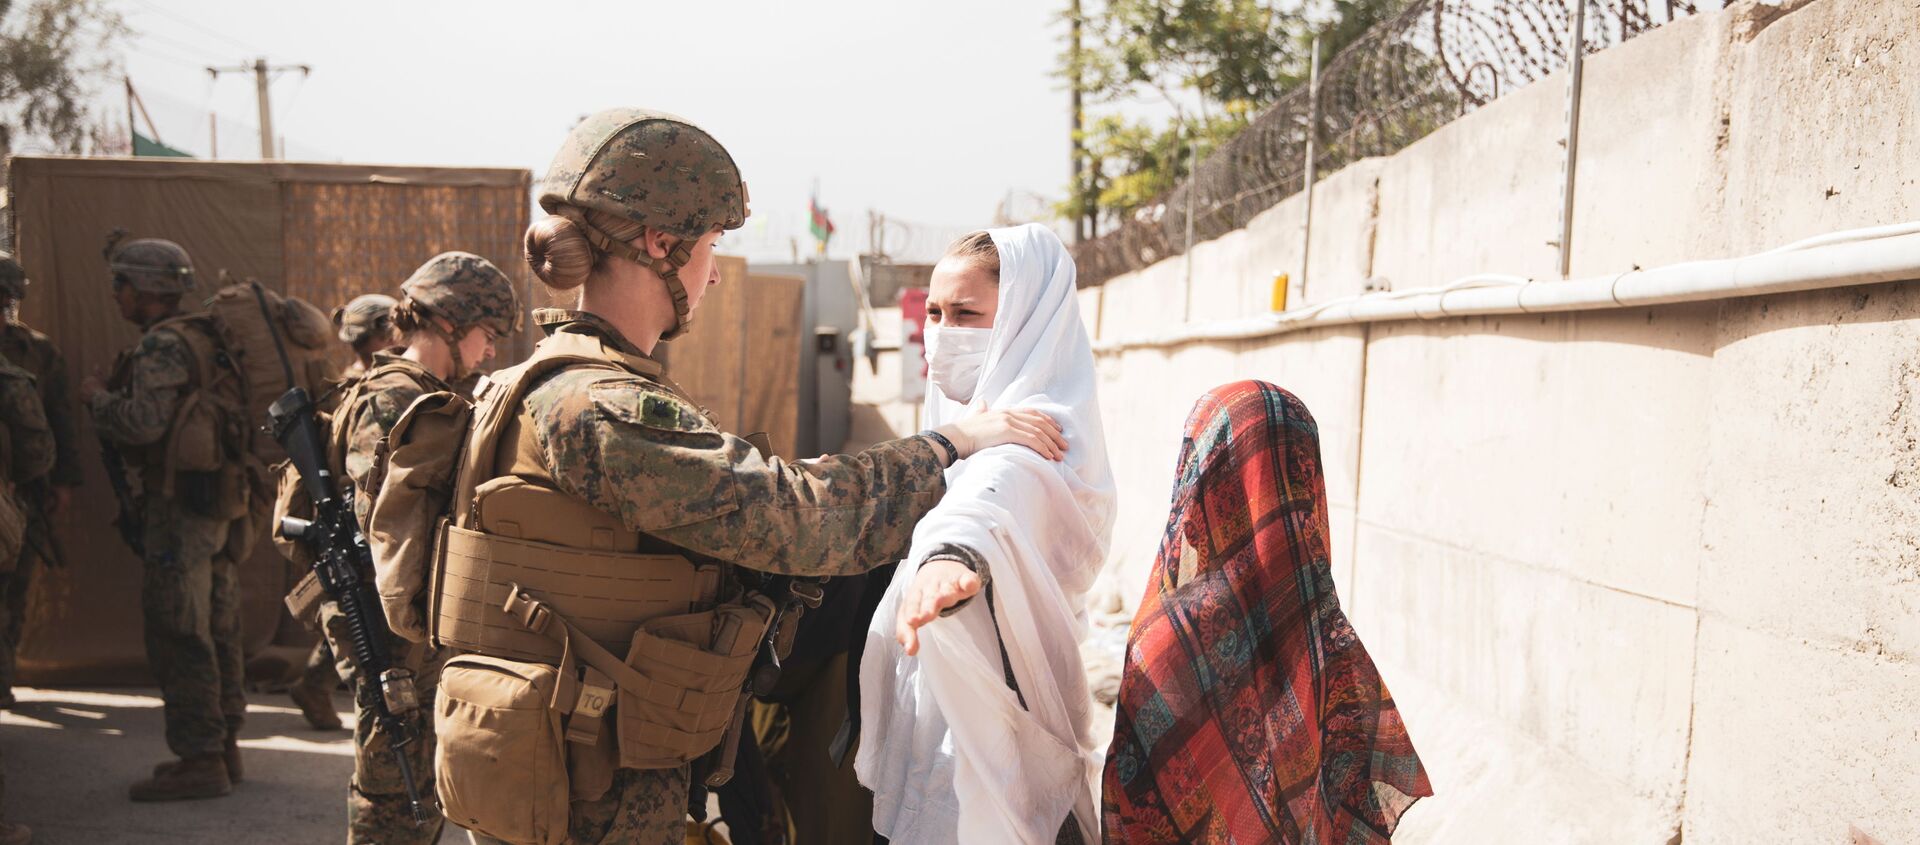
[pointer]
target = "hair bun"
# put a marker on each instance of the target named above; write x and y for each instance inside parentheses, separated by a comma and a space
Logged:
(559, 252)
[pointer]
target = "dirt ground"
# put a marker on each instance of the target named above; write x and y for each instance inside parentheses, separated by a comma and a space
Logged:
(69, 756)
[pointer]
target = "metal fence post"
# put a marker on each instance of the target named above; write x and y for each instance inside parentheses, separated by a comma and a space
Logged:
(1193, 172)
(1313, 135)
(1576, 54)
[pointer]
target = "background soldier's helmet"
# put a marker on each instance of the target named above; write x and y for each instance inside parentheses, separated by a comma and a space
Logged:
(151, 265)
(13, 278)
(465, 290)
(650, 167)
(368, 314)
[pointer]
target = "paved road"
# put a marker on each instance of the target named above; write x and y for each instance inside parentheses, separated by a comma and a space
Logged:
(70, 754)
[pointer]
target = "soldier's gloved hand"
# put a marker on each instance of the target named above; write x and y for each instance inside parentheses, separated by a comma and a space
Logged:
(1024, 426)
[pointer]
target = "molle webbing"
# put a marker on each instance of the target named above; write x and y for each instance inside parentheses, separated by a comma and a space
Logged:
(606, 595)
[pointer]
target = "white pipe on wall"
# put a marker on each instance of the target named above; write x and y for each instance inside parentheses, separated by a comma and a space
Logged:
(1841, 259)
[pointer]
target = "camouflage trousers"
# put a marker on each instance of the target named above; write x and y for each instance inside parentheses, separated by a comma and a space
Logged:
(642, 807)
(14, 587)
(191, 598)
(378, 812)
(320, 674)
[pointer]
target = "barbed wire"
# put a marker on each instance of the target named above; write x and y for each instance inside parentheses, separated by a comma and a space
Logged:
(1431, 64)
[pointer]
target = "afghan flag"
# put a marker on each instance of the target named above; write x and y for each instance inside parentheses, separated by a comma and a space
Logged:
(821, 226)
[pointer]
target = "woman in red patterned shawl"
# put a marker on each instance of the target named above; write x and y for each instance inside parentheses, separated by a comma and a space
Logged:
(1249, 712)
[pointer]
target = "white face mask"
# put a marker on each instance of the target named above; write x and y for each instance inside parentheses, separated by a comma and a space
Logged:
(954, 359)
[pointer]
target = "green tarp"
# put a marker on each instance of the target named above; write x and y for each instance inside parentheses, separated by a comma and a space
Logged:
(144, 146)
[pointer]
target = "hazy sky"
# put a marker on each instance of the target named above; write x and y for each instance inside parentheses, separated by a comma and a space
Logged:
(928, 112)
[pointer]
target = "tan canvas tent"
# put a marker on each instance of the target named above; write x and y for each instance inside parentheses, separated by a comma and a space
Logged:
(323, 232)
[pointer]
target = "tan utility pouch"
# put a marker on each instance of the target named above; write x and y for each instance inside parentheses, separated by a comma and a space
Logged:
(500, 763)
(679, 688)
(194, 442)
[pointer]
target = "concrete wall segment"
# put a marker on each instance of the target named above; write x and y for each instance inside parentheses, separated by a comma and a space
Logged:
(1634, 574)
(1811, 521)
(1824, 120)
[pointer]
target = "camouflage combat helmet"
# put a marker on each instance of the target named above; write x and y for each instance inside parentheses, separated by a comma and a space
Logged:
(150, 265)
(465, 290)
(13, 278)
(654, 169)
(367, 314)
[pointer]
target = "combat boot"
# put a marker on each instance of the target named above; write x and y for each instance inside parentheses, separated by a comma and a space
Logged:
(15, 834)
(232, 757)
(316, 705)
(191, 778)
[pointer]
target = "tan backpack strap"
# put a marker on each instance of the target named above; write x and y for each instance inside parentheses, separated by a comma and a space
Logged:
(501, 400)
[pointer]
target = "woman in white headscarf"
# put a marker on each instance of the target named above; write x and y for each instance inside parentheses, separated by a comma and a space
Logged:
(974, 701)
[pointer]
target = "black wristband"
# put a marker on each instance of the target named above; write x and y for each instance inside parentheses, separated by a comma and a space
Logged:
(953, 455)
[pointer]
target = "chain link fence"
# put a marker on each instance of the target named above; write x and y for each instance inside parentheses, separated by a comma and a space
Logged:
(1403, 79)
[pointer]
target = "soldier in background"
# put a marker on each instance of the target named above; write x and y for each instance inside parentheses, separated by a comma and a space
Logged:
(455, 307)
(191, 592)
(366, 325)
(46, 497)
(28, 446)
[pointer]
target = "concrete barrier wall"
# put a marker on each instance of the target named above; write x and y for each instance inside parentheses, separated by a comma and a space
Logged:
(1636, 576)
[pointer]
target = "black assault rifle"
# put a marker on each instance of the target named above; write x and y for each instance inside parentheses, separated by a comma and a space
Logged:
(128, 521)
(341, 561)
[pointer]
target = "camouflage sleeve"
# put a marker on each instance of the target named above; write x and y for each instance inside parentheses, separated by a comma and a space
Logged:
(139, 413)
(56, 393)
(29, 439)
(631, 448)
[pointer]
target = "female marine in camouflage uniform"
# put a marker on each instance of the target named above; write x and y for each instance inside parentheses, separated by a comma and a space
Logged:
(639, 199)
(456, 307)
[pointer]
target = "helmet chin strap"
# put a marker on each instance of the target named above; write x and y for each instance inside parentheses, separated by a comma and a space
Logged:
(453, 350)
(667, 268)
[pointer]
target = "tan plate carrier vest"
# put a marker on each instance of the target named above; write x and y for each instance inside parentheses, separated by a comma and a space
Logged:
(208, 435)
(528, 572)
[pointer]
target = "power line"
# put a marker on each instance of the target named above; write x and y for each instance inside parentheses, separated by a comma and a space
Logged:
(172, 43)
(190, 23)
(164, 56)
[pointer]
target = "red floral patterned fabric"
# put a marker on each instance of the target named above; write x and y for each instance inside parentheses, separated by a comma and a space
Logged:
(1249, 712)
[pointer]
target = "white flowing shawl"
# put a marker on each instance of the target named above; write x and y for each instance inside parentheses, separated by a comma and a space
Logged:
(945, 746)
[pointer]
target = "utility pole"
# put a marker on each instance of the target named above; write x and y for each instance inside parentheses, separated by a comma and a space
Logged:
(1080, 228)
(262, 77)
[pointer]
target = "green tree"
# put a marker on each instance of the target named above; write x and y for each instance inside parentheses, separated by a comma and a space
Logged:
(1210, 61)
(1214, 63)
(50, 50)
